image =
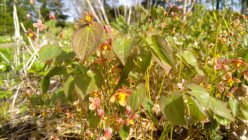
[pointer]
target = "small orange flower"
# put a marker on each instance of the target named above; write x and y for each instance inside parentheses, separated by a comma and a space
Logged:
(31, 34)
(88, 18)
(105, 46)
(230, 80)
(238, 63)
(121, 96)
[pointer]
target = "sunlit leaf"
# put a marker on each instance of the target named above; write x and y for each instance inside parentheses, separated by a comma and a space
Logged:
(84, 84)
(234, 105)
(137, 98)
(208, 102)
(49, 52)
(173, 108)
(122, 47)
(86, 39)
(196, 111)
(161, 50)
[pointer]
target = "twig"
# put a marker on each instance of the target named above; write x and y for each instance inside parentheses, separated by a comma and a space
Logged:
(15, 96)
(103, 12)
(184, 9)
(129, 15)
(192, 5)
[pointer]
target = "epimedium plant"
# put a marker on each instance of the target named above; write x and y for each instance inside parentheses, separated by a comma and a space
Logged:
(193, 71)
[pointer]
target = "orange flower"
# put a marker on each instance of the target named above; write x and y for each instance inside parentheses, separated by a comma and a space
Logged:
(230, 80)
(238, 63)
(121, 96)
(88, 18)
(31, 34)
(105, 46)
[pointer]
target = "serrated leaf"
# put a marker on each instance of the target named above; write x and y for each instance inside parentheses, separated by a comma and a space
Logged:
(219, 108)
(196, 111)
(200, 93)
(173, 108)
(208, 102)
(190, 58)
(122, 47)
(161, 50)
(49, 52)
(84, 84)
(86, 40)
(137, 98)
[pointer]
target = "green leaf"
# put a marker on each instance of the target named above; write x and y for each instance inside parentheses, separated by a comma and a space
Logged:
(200, 93)
(161, 50)
(219, 108)
(234, 105)
(208, 102)
(122, 47)
(124, 132)
(126, 70)
(60, 70)
(137, 98)
(84, 84)
(93, 119)
(196, 111)
(221, 120)
(147, 104)
(244, 113)
(45, 83)
(143, 61)
(49, 52)
(190, 58)
(68, 85)
(86, 39)
(173, 108)
(65, 56)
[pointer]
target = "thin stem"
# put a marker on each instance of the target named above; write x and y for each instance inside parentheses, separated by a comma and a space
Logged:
(93, 11)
